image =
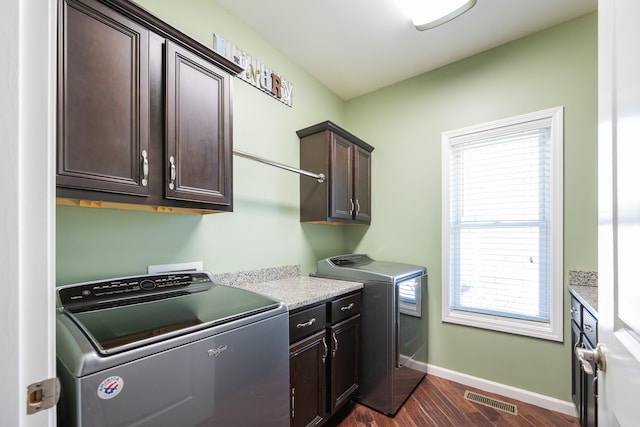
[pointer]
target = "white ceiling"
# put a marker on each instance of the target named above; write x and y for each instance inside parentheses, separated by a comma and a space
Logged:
(357, 46)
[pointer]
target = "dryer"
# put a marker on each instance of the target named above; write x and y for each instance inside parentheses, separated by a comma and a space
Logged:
(393, 344)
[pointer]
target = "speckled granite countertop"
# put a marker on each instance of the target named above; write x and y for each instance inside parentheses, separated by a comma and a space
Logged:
(286, 284)
(300, 291)
(584, 286)
(587, 295)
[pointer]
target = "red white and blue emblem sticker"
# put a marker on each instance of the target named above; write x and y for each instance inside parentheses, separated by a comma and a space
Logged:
(110, 387)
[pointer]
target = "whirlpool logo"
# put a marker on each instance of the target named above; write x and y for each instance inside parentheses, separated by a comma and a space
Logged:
(215, 352)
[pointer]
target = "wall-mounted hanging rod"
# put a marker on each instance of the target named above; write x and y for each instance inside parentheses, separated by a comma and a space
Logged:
(319, 176)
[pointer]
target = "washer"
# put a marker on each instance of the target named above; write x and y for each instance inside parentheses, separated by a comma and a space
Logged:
(170, 350)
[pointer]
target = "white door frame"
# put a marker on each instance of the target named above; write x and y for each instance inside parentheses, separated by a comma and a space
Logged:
(27, 211)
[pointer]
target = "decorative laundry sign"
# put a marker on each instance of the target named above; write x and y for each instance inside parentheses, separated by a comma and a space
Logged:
(255, 72)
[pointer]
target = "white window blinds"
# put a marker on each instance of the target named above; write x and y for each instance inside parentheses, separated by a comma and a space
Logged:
(501, 221)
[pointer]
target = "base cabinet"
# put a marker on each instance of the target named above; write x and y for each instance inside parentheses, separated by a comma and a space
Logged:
(324, 359)
(584, 385)
(344, 361)
(308, 379)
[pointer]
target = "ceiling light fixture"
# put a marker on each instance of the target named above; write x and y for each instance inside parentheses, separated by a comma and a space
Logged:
(427, 14)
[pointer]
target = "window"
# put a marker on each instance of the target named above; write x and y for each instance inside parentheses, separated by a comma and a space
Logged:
(502, 225)
(410, 295)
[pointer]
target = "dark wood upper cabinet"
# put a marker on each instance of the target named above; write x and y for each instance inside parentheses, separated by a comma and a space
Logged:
(345, 160)
(362, 184)
(103, 100)
(144, 112)
(198, 129)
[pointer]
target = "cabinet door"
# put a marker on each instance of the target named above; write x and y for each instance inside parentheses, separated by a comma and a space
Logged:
(308, 380)
(198, 133)
(362, 184)
(103, 100)
(341, 202)
(344, 360)
(589, 400)
(576, 370)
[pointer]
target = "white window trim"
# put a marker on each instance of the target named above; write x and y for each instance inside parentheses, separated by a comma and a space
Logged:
(554, 329)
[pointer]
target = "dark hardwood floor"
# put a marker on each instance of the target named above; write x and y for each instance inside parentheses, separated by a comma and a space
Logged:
(439, 402)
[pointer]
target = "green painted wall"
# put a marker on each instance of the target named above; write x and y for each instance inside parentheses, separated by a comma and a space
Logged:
(556, 67)
(404, 123)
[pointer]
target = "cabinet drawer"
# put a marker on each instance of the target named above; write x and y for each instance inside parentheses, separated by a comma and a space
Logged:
(576, 310)
(345, 307)
(590, 327)
(306, 322)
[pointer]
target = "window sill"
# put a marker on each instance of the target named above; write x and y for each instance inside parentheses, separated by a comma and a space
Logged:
(504, 324)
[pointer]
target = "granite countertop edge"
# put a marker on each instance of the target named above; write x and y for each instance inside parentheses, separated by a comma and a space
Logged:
(587, 295)
(300, 291)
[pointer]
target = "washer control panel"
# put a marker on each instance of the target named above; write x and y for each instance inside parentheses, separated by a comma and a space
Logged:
(89, 294)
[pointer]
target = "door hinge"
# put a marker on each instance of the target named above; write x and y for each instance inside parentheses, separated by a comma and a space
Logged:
(42, 395)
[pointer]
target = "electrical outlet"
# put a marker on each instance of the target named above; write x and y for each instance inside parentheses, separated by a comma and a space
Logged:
(169, 268)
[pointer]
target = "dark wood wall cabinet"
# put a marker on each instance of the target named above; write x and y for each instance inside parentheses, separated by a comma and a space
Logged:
(324, 358)
(584, 388)
(345, 160)
(144, 112)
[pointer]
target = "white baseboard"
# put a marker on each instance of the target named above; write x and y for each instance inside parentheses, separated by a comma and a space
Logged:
(522, 395)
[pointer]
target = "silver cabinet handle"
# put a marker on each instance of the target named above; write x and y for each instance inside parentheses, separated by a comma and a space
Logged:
(357, 207)
(578, 343)
(172, 173)
(293, 402)
(588, 327)
(353, 208)
(326, 349)
(305, 324)
(346, 307)
(145, 168)
(335, 341)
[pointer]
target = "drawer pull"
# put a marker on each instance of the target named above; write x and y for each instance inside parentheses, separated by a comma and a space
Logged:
(305, 324)
(335, 349)
(326, 350)
(346, 307)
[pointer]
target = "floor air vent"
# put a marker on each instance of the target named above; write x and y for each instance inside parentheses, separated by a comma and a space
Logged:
(491, 402)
